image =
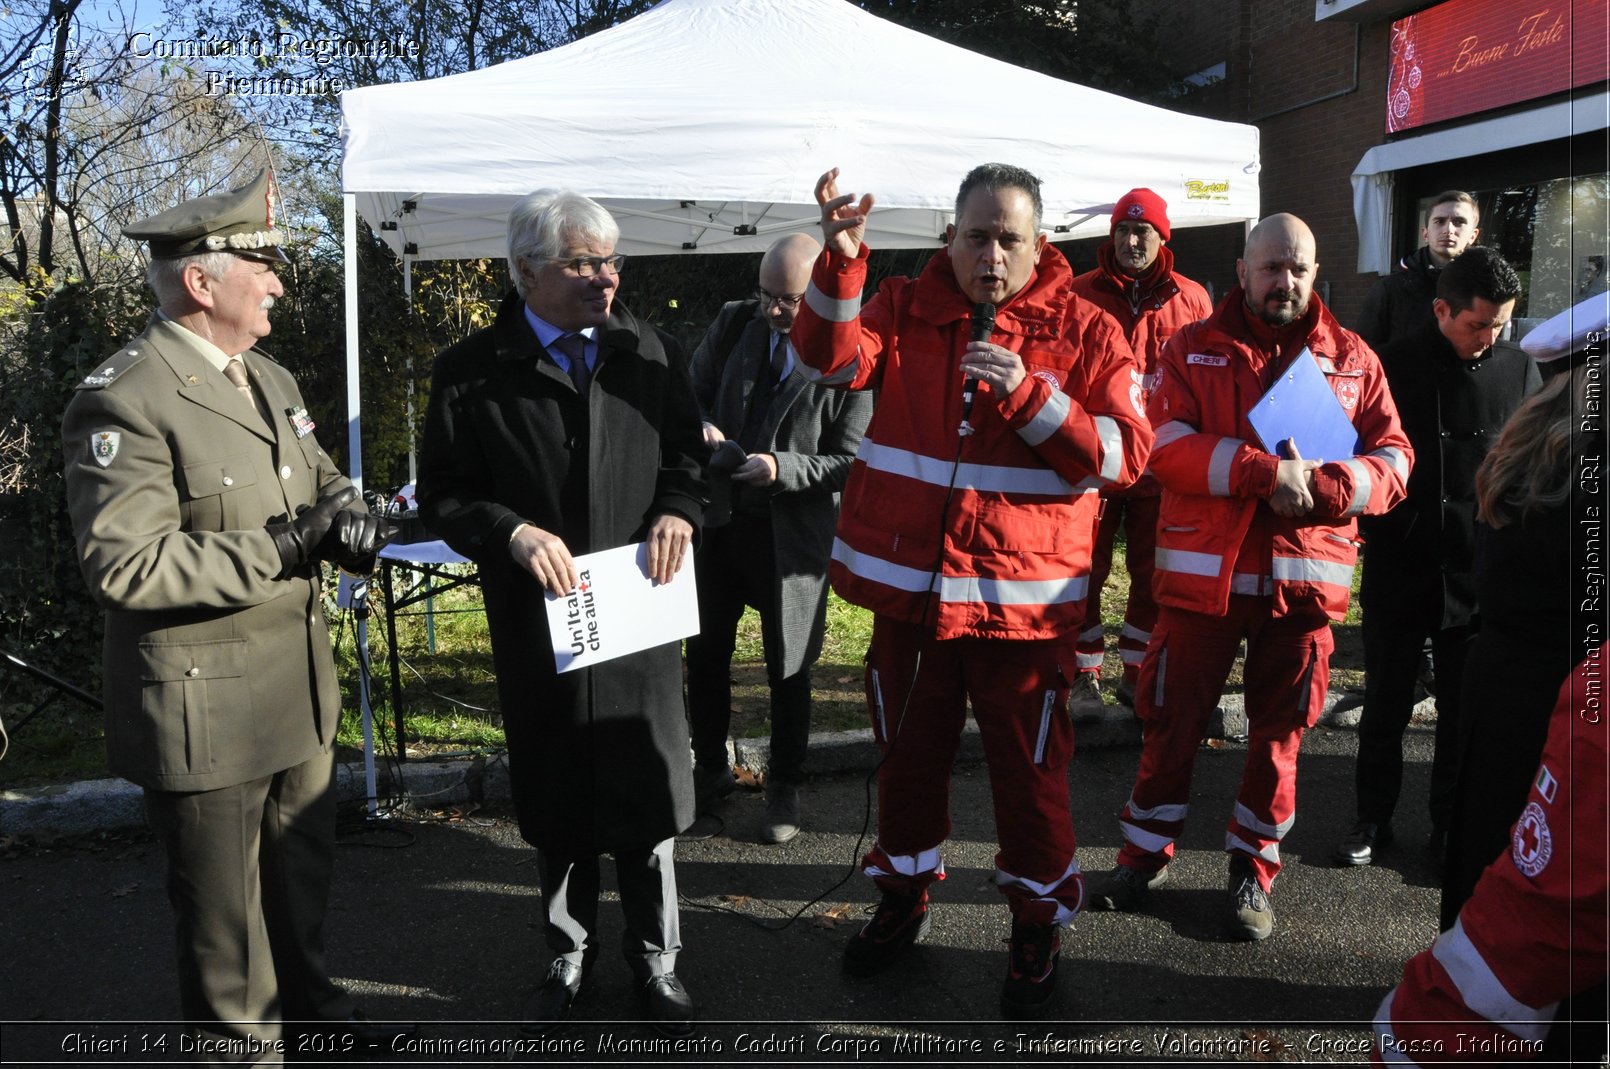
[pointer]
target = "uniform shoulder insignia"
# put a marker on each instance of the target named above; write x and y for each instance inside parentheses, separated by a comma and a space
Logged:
(112, 369)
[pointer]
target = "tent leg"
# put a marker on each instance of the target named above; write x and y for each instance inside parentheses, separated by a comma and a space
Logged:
(349, 219)
(349, 247)
(371, 787)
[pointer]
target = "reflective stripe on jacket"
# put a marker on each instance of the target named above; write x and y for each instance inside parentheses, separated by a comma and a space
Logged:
(1216, 534)
(1149, 311)
(1013, 558)
(1533, 931)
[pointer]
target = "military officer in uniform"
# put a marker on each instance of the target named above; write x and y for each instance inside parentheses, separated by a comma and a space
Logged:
(202, 505)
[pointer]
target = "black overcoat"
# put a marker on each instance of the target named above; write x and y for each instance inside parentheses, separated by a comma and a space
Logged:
(598, 758)
(1418, 557)
(1400, 303)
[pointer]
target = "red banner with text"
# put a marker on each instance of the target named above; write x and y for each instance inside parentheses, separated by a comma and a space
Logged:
(1466, 56)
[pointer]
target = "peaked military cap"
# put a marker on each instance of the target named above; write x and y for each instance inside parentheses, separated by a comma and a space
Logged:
(240, 221)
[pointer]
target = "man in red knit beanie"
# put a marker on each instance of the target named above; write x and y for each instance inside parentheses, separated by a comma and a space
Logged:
(1136, 284)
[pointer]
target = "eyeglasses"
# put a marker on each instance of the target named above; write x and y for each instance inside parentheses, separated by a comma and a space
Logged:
(767, 299)
(588, 266)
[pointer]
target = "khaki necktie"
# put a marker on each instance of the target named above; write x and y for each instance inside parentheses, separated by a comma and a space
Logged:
(235, 372)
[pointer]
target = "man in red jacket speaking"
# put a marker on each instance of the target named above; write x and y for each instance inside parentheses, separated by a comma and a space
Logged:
(966, 529)
(1249, 546)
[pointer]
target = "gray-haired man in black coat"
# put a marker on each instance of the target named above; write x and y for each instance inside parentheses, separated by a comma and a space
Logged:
(567, 427)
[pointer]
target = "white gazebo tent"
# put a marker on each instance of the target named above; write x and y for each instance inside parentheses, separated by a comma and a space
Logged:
(702, 125)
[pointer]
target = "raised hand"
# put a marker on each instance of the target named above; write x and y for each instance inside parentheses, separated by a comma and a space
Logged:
(843, 219)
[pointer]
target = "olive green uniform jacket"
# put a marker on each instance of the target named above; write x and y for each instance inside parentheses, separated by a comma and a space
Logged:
(216, 671)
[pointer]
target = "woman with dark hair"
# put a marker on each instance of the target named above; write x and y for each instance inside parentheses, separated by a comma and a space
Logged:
(1528, 505)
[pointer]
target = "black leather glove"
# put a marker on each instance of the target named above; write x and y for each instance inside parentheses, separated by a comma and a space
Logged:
(354, 539)
(299, 539)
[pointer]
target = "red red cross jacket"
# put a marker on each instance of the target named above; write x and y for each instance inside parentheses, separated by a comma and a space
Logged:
(1014, 555)
(1533, 931)
(1150, 311)
(1216, 534)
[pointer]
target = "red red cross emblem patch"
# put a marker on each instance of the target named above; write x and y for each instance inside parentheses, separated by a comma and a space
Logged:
(1532, 843)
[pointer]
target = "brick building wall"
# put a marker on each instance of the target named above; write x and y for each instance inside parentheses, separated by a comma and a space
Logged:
(1293, 78)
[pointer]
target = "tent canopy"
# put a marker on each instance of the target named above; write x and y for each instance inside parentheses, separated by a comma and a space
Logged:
(702, 125)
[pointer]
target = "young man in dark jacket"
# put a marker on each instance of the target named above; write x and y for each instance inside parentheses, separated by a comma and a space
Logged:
(1401, 302)
(1455, 387)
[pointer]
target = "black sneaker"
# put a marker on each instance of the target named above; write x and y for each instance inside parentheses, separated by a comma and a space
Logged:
(782, 813)
(1031, 967)
(1123, 889)
(901, 920)
(1252, 917)
(711, 786)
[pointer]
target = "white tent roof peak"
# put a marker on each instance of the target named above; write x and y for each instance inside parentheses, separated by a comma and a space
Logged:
(704, 124)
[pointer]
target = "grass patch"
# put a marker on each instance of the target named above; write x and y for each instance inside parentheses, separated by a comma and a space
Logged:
(450, 690)
(838, 694)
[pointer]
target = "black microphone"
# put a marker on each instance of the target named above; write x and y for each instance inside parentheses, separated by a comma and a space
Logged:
(983, 327)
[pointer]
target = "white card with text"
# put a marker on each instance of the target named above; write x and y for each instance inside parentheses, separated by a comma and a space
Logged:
(617, 609)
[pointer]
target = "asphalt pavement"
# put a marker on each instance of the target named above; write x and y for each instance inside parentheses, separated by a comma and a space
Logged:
(436, 919)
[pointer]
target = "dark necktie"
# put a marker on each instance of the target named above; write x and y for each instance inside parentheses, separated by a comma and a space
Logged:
(779, 360)
(574, 346)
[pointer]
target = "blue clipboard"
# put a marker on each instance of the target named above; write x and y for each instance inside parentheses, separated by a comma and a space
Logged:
(1301, 406)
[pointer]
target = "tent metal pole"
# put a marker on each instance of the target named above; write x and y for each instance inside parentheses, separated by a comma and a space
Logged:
(413, 456)
(349, 246)
(408, 295)
(349, 241)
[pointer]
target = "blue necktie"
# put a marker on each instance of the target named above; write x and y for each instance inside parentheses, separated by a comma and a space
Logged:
(779, 360)
(574, 346)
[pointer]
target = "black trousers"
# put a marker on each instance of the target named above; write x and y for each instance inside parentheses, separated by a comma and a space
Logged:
(737, 566)
(1392, 646)
(646, 877)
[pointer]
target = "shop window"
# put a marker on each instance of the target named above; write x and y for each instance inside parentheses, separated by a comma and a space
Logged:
(1554, 235)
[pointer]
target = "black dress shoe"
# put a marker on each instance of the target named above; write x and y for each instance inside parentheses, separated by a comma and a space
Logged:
(551, 1002)
(668, 1005)
(1359, 847)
